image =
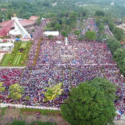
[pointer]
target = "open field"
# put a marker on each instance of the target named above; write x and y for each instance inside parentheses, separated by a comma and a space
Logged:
(6, 60)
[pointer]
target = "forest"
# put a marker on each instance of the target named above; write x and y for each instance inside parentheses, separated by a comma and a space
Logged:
(45, 8)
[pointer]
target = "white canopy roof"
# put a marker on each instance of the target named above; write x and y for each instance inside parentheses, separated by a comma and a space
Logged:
(6, 44)
(59, 42)
(15, 32)
(53, 33)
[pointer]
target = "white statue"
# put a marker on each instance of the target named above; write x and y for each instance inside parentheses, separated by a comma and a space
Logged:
(66, 41)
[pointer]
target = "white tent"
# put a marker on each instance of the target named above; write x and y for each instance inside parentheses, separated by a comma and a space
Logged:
(59, 42)
(53, 33)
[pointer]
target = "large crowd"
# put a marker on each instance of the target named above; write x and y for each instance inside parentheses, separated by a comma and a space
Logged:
(70, 64)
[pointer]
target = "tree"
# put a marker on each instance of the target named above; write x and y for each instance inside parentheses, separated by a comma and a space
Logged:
(77, 32)
(101, 27)
(99, 13)
(90, 35)
(1, 17)
(118, 33)
(16, 91)
(107, 86)
(64, 33)
(38, 22)
(57, 27)
(50, 37)
(53, 92)
(89, 104)
(2, 89)
(112, 27)
(113, 44)
(123, 39)
(119, 57)
(81, 38)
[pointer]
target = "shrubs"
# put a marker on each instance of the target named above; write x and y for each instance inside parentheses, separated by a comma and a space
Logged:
(42, 111)
(33, 123)
(118, 53)
(27, 97)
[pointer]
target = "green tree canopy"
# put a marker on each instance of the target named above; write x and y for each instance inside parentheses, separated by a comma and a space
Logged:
(2, 89)
(89, 104)
(99, 13)
(50, 36)
(64, 33)
(119, 57)
(77, 32)
(107, 86)
(38, 22)
(113, 44)
(90, 35)
(53, 92)
(118, 33)
(57, 27)
(16, 91)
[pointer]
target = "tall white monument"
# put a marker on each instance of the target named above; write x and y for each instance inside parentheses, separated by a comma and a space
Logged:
(66, 41)
(19, 29)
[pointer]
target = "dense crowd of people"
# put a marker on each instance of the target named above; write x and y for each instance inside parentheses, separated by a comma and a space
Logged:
(70, 64)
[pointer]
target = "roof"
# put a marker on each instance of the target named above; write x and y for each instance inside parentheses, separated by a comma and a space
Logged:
(54, 33)
(23, 22)
(3, 9)
(14, 32)
(34, 17)
(6, 44)
(47, 21)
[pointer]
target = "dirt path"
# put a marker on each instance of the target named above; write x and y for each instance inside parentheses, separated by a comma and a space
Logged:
(12, 114)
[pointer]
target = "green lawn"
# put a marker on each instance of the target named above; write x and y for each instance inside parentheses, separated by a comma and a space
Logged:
(23, 45)
(17, 60)
(17, 57)
(6, 60)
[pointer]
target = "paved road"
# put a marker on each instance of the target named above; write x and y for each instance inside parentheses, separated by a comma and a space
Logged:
(12, 67)
(119, 122)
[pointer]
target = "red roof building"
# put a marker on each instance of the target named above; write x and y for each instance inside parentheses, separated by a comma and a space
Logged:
(3, 9)
(47, 21)
(26, 23)
(34, 18)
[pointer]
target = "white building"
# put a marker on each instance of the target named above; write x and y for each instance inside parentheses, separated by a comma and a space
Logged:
(6, 46)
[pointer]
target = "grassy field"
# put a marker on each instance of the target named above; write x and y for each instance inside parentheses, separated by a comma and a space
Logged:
(19, 55)
(6, 60)
(17, 59)
(42, 111)
(23, 45)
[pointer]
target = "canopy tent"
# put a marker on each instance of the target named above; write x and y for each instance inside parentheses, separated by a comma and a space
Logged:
(6, 44)
(59, 42)
(17, 39)
(53, 33)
